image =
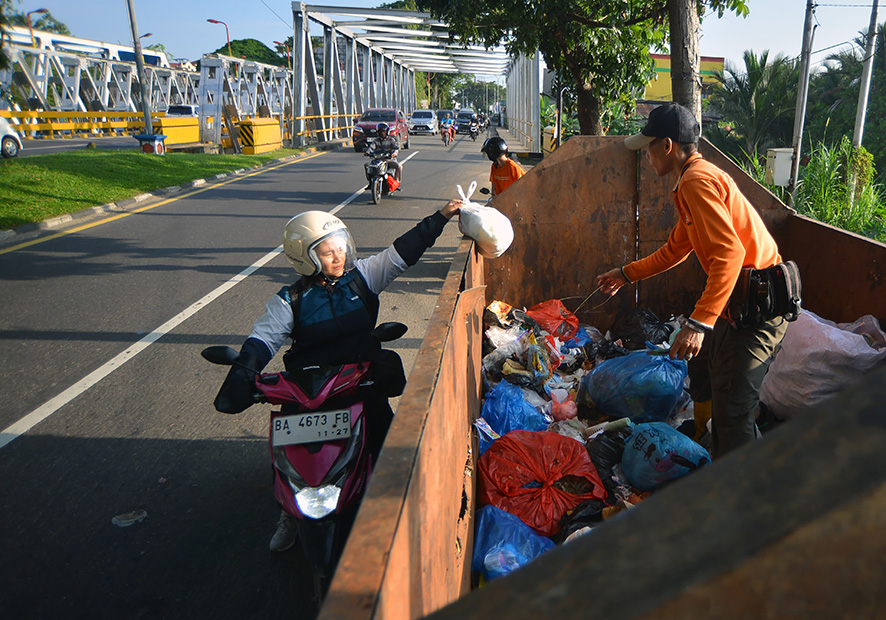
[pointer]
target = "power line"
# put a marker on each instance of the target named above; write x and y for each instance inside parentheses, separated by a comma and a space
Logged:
(275, 13)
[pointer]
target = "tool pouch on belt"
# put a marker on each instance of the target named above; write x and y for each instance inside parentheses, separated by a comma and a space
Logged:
(763, 294)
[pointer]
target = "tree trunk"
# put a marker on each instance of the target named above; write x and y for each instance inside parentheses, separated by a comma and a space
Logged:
(587, 110)
(685, 60)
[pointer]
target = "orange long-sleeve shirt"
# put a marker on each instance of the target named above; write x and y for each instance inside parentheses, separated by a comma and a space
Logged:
(502, 178)
(723, 229)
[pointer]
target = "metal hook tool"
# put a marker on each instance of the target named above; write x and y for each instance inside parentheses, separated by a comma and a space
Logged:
(589, 296)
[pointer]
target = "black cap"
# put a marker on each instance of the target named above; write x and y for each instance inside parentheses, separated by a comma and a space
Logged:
(670, 120)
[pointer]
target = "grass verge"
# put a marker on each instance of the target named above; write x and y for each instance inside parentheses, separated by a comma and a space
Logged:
(39, 187)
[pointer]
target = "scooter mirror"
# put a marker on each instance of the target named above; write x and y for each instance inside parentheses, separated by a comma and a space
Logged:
(222, 355)
(386, 332)
(484, 190)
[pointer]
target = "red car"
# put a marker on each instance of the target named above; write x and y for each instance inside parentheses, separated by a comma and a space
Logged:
(364, 128)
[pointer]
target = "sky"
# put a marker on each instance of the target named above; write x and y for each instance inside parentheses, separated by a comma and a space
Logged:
(181, 26)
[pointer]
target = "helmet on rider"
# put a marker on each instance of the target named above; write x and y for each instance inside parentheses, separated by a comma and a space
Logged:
(316, 241)
(494, 148)
(382, 127)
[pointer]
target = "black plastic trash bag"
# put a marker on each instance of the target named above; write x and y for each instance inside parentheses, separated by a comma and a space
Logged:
(634, 327)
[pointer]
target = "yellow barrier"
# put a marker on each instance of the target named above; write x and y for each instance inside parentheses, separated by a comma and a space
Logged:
(76, 124)
(178, 129)
(548, 143)
(260, 135)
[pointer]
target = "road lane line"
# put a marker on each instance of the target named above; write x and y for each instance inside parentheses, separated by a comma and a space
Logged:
(357, 193)
(12, 432)
(113, 218)
(51, 406)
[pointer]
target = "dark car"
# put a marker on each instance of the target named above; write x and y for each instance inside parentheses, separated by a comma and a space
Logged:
(364, 128)
(463, 120)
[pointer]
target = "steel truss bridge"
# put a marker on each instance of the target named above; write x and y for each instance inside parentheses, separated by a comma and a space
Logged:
(371, 56)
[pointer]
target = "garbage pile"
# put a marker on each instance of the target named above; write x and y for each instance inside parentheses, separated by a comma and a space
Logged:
(576, 426)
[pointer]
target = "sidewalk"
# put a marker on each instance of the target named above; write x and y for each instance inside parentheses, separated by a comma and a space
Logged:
(515, 144)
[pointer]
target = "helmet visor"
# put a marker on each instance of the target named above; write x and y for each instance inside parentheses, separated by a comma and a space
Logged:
(334, 254)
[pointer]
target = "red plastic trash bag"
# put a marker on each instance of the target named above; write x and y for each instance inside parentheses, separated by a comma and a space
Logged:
(554, 318)
(393, 184)
(538, 477)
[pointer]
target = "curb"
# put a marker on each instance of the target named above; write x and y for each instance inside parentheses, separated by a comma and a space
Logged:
(15, 234)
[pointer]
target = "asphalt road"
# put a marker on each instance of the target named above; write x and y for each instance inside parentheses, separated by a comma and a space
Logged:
(107, 407)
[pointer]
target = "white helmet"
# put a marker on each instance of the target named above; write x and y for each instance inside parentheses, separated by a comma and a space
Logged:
(303, 234)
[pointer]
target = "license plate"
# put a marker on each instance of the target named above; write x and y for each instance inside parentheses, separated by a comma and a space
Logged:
(308, 427)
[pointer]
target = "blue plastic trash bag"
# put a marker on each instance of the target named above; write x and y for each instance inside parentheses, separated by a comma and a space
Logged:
(638, 386)
(656, 453)
(580, 339)
(506, 410)
(504, 543)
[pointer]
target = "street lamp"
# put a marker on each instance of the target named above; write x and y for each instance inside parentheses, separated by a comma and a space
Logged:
(146, 35)
(227, 32)
(288, 53)
(30, 29)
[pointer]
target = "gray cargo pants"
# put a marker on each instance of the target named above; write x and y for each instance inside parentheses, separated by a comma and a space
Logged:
(729, 372)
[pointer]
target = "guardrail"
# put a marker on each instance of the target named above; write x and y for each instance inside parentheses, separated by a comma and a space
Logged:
(314, 132)
(73, 124)
(53, 125)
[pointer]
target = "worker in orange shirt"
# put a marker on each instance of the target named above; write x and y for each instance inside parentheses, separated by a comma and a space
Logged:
(727, 235)
(504, 169)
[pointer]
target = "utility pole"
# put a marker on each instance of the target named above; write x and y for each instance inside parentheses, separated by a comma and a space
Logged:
(140, 67)
(866, 73)
(802, 90)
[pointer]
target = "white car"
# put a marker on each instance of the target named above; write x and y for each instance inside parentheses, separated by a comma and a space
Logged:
(424, 121)
(183, 110)
(10, 142)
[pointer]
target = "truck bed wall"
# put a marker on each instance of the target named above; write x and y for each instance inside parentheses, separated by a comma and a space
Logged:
(590, 206)
(410, 550)
(594, 205)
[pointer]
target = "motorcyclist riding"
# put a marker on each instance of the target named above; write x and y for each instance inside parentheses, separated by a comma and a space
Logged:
(388, 144)
(329, 314)
(448, 124)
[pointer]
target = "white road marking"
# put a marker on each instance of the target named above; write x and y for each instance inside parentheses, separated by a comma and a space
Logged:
(48, 408)
(355, 194)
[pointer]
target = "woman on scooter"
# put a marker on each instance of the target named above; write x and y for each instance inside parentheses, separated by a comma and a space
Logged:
(328, 313)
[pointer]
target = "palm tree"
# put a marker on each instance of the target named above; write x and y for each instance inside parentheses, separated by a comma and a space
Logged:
(833, 99)
(756, 104)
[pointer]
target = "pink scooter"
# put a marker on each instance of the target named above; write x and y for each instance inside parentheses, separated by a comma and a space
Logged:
(319, 448)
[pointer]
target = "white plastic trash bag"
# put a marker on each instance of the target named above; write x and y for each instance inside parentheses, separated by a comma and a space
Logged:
(490, 229)
(819, 358)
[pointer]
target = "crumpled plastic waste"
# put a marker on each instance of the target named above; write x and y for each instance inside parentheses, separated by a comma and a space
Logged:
(505, 410)
(129, 518)
(563, 406)
(503, 543)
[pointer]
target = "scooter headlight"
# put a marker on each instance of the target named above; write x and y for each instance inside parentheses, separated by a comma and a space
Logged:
(317, 502)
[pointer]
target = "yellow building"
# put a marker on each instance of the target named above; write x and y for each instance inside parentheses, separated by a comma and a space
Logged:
(659, 88)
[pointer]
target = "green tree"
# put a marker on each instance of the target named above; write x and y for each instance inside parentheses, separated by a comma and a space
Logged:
(252, 49)
(833, 100)
(45, 22)
(603, 46)
(757, 104)
(5, 8)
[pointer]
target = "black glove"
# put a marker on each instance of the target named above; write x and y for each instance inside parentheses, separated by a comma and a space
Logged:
(238, 391)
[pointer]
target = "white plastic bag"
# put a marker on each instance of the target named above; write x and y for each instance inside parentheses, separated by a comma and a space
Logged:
(819, 358)
(490, 229)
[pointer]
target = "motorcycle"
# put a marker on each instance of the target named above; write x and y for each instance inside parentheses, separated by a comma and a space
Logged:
(381, 182)
(447, 134)
(475, 131)
(318, 442)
